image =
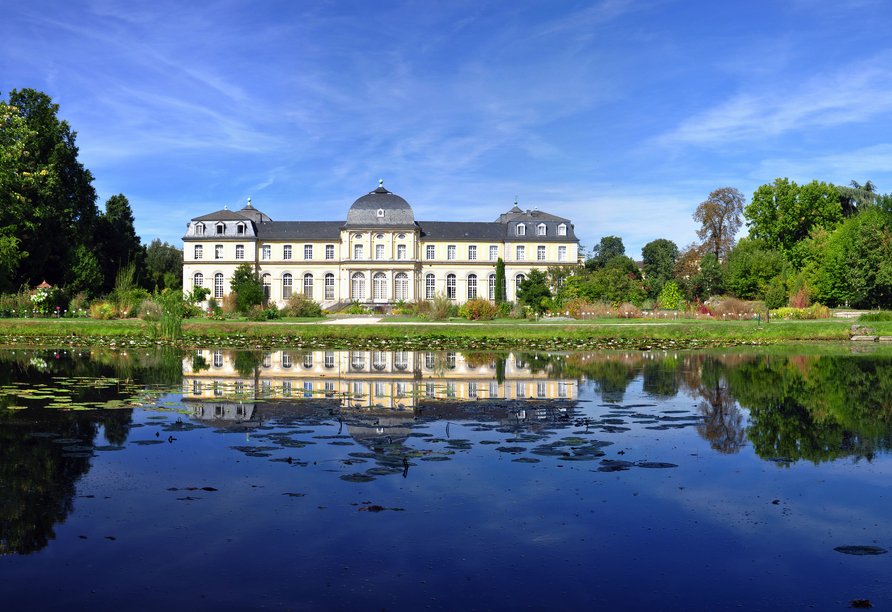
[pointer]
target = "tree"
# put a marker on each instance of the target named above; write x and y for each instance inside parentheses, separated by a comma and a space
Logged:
(783, 215)
(711, 275)
(117, 242)
(246, 284)
(500, 282)
(51, 208)
(719, 217)
(856, 197)
(750, 267)
(534, 289)
(624, 264)
(607, 249)
(659, 264)
(164, 264)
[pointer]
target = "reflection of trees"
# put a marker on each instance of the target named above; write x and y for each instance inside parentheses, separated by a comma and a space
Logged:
(723, 423)
(38, 483)
(817, 408)
(660, 376)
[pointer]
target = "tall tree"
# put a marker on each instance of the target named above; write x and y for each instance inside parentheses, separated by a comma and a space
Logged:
(164, 265)
(54, 214)
(117, 242)
(856, 196)
(659, 264)
(607, 249)
(783, 214)
(500, 282)
(719, 217)
(534, 289)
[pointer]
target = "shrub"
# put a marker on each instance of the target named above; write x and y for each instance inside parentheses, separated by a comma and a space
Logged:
(230, 303)
(732, 307)
(802, 298)
(815, 311)
(580, 308)
(874, 317)
(478, 310)
(358, 309)
(149, 310)
(300, 305)
(77, 306)
(439, 307)
(102, 310)
(628, 311)
(270, 313)
(670, 296)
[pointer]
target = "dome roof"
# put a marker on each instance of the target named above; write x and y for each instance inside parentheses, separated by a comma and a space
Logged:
(380, 208)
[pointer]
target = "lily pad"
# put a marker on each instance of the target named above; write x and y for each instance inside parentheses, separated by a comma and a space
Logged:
(357, 477)
(526, 460)
(861, 550)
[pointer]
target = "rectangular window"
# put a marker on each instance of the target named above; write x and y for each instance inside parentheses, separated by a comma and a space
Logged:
(521, 253)
(520, 229)
(308, 251)
(329, 389)
(472, 252)
(308, 389)
(286, 251)
(199, 251)
(562, 389)
(329, 286)
(239, 251)
(541, 389)
(472, 390)
(562, 230)
(540, 229)
(266, 252)
(562, 253)
(430, 290)
(450, 251)
(430, 251)
(401, 251)
(493, 253)
(199, 229)
(540, 253)
(329, 359)
(379, 251)
(520, 390)
(218, 251)
(358, 251)
(492, 286)
(329, 251)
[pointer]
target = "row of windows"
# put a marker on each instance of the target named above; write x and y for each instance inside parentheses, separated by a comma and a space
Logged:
(401, 252)
(541, 230)
(358, 286)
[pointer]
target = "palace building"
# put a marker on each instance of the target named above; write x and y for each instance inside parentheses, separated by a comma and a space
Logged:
(378, 256)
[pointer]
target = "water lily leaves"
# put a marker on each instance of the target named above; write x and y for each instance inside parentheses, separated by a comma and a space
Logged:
(526, 460)
(147, 442)
(655, 465)
(357, 477)
(861, 550)
(512, 449)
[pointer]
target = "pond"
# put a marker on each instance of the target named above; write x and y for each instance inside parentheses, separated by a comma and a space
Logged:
(426, 480)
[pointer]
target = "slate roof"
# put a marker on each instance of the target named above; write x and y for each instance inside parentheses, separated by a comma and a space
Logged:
(462, 230)
(223, 215)
(364, 212)
(300, 230)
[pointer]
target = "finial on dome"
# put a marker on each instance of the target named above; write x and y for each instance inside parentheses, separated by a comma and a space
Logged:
(380, 182)
(515, 199)
(249, 201)
(224, 207)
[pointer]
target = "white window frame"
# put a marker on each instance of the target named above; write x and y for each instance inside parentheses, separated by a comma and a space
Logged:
(520, 253)
(218, 251)
(472, 286)
(451, 252)
(329, 286)
(541, 230)
(379, 252)
(198, 280)
(218, 285)
(451, 289)
(308, 285)
(199, 229)
(401, 251)
(472, 252)
(520, 229)
(493, 252)
(198, 252)
(308, 252)
(401, 286)
(358, 251)
(239, 251)
(430, 251)
(287, 251)
(266, 252)
(540, 253)
(287, 285)
(430, 286)
(562, 253)
(329, 252)
(562, 229)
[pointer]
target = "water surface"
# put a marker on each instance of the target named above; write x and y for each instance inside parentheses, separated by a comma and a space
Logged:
(369, 480)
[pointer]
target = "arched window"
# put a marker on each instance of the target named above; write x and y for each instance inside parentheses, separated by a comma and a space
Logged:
(450, 286)
(199, 229)
(218, 285)
(430, 287)
(519, 279)
(472, 286)
(267, 286)
(329, 286)
(287, 286)
(308, 285)
(379, 286)
(198, 280)
(401, 286)
(358, 286)
(492, 286)
(540, 229)
(379, 360)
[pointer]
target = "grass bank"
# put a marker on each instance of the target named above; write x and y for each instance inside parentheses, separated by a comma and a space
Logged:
(555, 336)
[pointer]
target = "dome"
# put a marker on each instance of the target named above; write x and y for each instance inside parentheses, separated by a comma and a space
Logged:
(380, 208)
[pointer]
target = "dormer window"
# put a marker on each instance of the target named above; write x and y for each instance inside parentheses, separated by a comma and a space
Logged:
(240, 230)
(380, 213)
(199, 229)
(520, 229)
(562, 229)
(540, 229)
(220, 229)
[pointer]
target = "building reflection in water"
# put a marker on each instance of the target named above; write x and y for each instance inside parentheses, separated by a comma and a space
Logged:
(227, 384)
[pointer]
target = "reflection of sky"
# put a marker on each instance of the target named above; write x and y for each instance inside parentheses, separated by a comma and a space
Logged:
(479, 531)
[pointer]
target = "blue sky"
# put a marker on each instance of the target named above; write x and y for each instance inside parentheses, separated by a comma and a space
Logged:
(620, 115)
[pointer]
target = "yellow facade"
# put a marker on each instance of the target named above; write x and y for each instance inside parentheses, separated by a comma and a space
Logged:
(380, 255)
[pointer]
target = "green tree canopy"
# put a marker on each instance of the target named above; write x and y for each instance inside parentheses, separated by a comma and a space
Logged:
(607, 249)
(164, 265)
(534, 289)
(783, 215)
(247, 286)
(117, 242)
(719, 218)
(750, 267)
(659, 264)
